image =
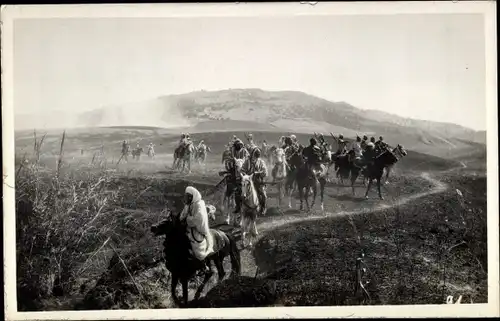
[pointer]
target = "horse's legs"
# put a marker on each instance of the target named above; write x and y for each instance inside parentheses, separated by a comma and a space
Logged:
(301, 197)
(173, 286)
(205, 280)
(279, 193)
(184, 283)
(219, 264)
(322, 193)
(306, 197)
(368, 187)
(315, 192)
(353, 180)
(289, 191)
(378, 187)
(388, 170)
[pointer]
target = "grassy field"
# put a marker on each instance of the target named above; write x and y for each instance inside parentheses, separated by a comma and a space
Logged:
(83, 239)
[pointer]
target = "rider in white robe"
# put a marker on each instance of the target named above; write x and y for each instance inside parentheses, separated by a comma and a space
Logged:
(198, 229)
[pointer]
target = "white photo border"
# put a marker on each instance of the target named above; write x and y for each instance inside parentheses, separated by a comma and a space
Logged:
(486, 8)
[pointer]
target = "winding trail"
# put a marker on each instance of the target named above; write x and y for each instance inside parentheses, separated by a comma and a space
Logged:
(249, 267)
(438, 187)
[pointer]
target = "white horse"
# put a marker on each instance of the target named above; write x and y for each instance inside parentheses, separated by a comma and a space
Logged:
(279, 174)
(151, 151)
(249, 208)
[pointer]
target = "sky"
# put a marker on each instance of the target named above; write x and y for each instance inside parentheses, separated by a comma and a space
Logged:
(420, 66)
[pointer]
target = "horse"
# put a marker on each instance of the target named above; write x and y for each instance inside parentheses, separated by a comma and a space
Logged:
(400, 152)
(183, 153)
(179, 262)
(201, 155)
(375, 170)
(305, 181)
(279, 174)
(271, 154)
(151, 152)
(233, 169)
(136, 152)
(249, 208)
(342, 167)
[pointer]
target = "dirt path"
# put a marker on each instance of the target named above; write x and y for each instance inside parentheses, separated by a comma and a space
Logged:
(248, 264)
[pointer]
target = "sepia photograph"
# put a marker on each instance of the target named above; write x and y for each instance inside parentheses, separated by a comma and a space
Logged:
(177, 160)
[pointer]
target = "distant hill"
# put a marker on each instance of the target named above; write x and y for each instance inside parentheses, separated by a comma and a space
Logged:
(287, 111)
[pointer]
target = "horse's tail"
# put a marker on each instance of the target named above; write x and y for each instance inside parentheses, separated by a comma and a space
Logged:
(234, 253)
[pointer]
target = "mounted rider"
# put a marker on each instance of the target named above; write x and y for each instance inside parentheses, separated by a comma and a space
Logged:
(372, 140)
(201, 148)
(239, 151)
(256, 166)
(151, 148)
(251, 145)
(357, 151)
(312, 153)
(342, 145)
(322, 142)
(125, 147)
(195, 217)
(380, 145)
(364, 142)
(369, 154)
(291, 147)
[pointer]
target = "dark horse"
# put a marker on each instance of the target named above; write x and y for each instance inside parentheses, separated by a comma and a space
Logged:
(180, 262)
(375, 169)
(305, 181)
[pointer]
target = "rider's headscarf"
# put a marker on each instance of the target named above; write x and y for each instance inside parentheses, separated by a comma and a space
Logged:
(256, 153)
(194, 192)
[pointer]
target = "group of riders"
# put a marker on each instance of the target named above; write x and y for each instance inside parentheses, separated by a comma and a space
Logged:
(363, 150)
(126, 148)
(185, 141)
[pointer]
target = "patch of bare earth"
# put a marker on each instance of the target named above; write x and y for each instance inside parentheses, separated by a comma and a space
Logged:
(418, 253)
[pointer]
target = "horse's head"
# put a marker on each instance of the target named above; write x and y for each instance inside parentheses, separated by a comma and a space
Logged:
(211, 211)
(167, 226)
(400, 150)
(247, 189)
(238, 164)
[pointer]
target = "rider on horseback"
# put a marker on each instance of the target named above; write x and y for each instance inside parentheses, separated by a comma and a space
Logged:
(369, 154)
(239, 151)
(201, 146)
(312, 153)
(291, 147)
(342, 145)
(364, 142)
(380, 145)
(195, 217)
(357, 151)
(256, 166)
(372, 140)
(251, 145)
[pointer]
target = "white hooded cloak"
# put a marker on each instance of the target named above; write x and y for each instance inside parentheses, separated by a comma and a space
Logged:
(198, 230)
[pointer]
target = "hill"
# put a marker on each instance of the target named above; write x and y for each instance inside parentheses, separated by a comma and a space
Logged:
(286, 111)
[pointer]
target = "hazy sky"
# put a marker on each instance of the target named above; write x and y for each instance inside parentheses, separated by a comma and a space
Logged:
(421, 66)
